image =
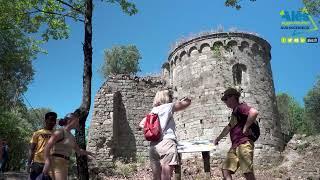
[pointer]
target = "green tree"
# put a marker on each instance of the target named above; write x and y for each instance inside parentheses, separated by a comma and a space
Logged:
(128, 8)
(17, 125)
(121, 60)
(35, 117)
(234, 3)
(291, 115)
(17, 131)
(312, 107)
(16, 54)
(313, 7)
(48, 18)
(16, 72)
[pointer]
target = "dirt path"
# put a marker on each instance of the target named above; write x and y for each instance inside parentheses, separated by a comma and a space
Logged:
(14, 176)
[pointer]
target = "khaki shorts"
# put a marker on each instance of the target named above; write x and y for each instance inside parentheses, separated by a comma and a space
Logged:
(59, 165)
(164, 152)
(241, 157)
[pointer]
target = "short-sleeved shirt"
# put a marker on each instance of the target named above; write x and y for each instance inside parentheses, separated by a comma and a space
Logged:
(168, 126)
(40, 138)
(238, 120)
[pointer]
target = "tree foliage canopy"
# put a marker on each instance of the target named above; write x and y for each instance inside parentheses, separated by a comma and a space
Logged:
(313, 7)
(35, 117)
(312, 107)
(234, 3)
(297, 119)
(16, 70)
(17, 126)
(291, 115)
(46, 18)
(121, 60)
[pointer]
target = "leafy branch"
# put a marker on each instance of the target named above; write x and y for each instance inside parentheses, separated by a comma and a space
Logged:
(72, 7)
(55, 13)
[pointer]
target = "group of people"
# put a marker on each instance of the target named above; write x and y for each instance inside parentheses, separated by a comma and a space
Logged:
(51, 148)
(163, 154)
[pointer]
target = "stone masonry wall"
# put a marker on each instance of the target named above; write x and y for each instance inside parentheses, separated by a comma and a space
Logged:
(204, 67)
(119, 106)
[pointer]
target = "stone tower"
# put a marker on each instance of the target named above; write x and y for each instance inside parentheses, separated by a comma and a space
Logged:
(200, 68)
(203, 67)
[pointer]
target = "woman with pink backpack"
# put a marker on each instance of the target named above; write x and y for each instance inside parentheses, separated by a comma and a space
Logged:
(163, 153)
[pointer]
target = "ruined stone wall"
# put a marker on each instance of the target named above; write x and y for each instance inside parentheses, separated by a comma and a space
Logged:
(204, 67)
(119, 106)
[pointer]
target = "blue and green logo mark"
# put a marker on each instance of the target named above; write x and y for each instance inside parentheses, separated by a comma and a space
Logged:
(300, 22)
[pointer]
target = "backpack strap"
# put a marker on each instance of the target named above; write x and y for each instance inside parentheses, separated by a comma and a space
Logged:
(239, 115)
(62, 137)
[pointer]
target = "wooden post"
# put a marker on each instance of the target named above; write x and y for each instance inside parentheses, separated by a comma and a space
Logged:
(206, 163)
(177, 168)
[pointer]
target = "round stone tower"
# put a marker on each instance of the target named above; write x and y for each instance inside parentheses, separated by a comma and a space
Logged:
(204, 67)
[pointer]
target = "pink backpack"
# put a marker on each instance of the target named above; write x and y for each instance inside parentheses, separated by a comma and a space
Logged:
(152, 128)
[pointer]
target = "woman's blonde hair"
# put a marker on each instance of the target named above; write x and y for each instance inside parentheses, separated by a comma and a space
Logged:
(162, 97)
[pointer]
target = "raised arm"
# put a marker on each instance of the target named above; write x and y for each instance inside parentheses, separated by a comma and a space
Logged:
(57, 135)
(181, 104)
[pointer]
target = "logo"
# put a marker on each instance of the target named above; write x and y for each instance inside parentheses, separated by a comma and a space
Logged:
(300, 22)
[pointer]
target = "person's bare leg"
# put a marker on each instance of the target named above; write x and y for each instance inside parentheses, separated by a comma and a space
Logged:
(226, 174)
(171, 170)
(60, 176)
(156, 171)
(249, 176)
(166, 172)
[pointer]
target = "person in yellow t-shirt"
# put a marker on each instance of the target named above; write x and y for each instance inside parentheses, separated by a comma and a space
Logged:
(38, 142)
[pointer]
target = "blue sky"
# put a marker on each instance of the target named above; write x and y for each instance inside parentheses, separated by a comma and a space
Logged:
(58, 80)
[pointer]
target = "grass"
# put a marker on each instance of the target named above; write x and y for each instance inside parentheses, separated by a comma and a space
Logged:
(125, 169)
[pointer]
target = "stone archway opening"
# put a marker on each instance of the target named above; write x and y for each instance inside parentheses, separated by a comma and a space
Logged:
(239, 73)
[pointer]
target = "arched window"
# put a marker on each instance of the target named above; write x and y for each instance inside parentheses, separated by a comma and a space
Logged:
(192, 51)
(239, 73)
(183, 55)
(244, 44)
(205, 47)
(230, 45)
(216, 48)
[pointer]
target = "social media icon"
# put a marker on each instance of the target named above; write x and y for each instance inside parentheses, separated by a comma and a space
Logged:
(303, 40)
